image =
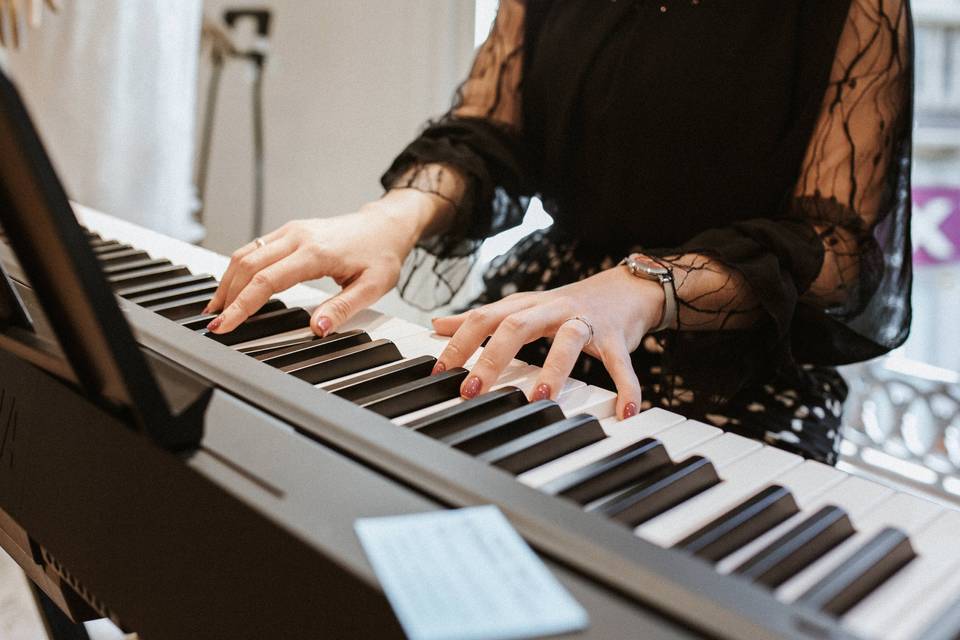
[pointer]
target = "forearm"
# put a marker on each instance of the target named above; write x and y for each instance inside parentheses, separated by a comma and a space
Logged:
(421, 208)
(711, 295)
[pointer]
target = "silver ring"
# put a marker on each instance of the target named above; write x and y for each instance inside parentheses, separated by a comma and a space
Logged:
(588, 325)
(259, 242)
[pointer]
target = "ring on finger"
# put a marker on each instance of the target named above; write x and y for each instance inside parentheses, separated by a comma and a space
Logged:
(586, 323)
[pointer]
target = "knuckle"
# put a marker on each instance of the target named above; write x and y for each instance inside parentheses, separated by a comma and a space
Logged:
(487, 362)
(262, 280)
(246, 263)
(514, 323)
(574, 330)
(478, 317)
(339, 308)
(553, 371)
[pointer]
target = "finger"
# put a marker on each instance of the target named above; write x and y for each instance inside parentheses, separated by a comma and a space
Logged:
(516, 330)
(276, 277)
(448, 325)
(568, 344)
(14, 24)
(219, 299)
(254, 262)
(36, 13)
(617, 361)
(356, 296)
(473, 329)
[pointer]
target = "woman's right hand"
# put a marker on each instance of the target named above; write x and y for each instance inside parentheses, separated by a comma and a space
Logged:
(363, 252)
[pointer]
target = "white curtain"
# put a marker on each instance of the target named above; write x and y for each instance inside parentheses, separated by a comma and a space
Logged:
(111, 85)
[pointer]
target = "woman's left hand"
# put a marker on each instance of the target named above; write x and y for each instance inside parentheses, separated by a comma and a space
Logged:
(619, 307)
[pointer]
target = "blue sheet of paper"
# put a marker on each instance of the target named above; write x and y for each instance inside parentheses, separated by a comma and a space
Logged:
(466, 574)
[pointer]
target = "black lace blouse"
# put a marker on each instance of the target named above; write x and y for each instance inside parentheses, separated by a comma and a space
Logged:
(762, 145)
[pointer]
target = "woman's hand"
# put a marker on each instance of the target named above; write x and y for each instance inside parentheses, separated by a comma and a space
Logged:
(619, 307)
(361, 251)
(14, 14)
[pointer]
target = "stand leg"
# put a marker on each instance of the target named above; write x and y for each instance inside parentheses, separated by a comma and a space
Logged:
(58, 625)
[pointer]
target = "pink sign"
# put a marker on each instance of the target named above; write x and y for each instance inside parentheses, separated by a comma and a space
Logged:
(936, 225)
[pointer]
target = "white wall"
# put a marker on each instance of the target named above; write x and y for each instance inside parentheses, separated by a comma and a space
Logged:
(348, 85)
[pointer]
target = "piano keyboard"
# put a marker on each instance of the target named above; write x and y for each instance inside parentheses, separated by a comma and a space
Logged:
(883, 562)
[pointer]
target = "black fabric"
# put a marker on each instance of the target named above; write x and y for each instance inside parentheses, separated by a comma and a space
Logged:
(764, 144)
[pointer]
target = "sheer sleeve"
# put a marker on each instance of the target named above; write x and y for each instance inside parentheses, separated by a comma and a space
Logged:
(827, 279)
(471, 159)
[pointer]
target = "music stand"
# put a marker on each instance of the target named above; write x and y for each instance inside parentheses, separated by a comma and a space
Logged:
(63, 271)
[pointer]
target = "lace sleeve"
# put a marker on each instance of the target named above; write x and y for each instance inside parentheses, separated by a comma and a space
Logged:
(841, 247)
(471, 159)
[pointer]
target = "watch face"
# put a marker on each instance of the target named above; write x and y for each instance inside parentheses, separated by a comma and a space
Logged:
(646, 264)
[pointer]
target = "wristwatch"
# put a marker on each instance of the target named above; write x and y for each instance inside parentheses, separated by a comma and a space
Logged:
(643, 266)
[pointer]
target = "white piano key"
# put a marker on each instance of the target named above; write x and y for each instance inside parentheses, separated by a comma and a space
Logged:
(598, 402)
(741, 480)
(938, 550)
(852, 494)
(383, 327)
(722, 450)
(277, 338)
(905, 512)
(686, 435)
(622, 434)
(924, 608)
(508, 378)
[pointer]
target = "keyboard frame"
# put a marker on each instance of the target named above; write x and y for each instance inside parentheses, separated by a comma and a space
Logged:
(665, 580)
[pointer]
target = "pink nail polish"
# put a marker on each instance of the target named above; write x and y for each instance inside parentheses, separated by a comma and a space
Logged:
(542, 392)
(629, 410)
(325, 324)
(438, 368)
(215, 323)
(471, 387)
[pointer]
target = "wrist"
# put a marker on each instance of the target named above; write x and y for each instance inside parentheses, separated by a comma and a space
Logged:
(416, 214)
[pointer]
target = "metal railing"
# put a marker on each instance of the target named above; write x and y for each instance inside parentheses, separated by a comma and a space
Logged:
(902, 424)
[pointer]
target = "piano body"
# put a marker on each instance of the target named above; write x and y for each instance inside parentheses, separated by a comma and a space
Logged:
(233, 516)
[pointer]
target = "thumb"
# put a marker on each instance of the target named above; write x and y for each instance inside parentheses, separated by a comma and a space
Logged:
(335, 311)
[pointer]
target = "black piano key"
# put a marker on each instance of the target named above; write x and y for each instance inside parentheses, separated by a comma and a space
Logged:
(136, 265)
(346, 362)
(107, 249)
(470, 412)
(416, 394)
(612, 472)
(283, 356)
(662, 490)
(505, 427)
(374, 382)
(100, 243)
(118, 257)
(160, 286)
(183, 308)
(869, 567)
(146, 276)
(257, 350)
(263, 325)
(546, 444)
(745, 522)
(197, 323)
(171, 295)
(798, 548)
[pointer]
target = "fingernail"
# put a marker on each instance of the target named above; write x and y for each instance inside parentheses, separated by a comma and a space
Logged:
(325, 324)
(471, 387)
(629, 410)
(542, 392)
(215, 323)
(438, 368)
